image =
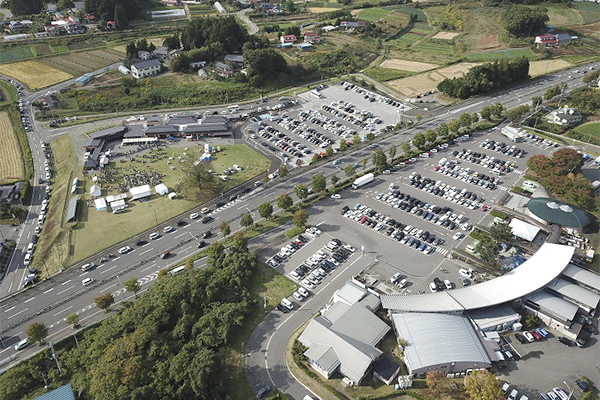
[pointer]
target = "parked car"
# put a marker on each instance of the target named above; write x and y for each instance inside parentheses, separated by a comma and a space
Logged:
(263, 391)
(125, 250)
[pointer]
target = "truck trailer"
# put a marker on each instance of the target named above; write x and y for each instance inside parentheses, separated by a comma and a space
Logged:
(362, 181)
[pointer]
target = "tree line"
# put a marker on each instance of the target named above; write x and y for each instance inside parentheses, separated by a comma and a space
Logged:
(119, 11)
(485, 78)
(524, 21)
(171, 344)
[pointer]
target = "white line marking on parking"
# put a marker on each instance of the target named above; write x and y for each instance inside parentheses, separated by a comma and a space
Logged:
(320, 223)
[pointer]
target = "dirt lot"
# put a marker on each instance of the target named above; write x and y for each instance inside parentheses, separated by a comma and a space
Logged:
(542, 67)
(405, 65)
(428, 81)
(34, 74)
(446, 35)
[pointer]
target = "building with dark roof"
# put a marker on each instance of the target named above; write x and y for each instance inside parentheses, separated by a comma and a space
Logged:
(550, 211)
(143, 69)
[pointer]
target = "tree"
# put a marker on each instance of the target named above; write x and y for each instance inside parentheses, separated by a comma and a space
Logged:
(356, 139)
(121, 20)
(319, 184)
(442, 129)
(246, 220)
(501, 232)
(65, 5)
(454, 126)
(329, 151)
(73, 320)
(225, 229)
(301, 191)
(349, 170)
(487, 249)
(392, 152)
(199, 177)
(465, 120)
(566, 160)
(483, 385)
(300, 218)
(524, 21)
(486, 113)
(285, 202)
(283, 171)
(406, 149)
(437, 382)
(189, 264)
(517, 113)
(343, 144)
(536, 101)
(132, 285)
(172, 42)
(334, 180)
(419, 140)
(370, 136)
(430, 136)
(498, 109)
(379, 159)
(104, 301)
(364, 162)
(25, 7)
(315, 158)
(265, 210)
(36, 333)
(289, 6)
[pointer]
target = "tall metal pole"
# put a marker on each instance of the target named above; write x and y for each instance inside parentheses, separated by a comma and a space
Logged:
(54, 356)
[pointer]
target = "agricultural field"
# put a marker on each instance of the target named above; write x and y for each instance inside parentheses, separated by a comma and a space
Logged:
(563, 16)
(198, 10)
(406, 65)
(34, 74)
(589, 12)
(432, 46)
(156, 41)
(591, 128)
(385, 74)
(445, 35)
(500, 54)
(421, 17)
(18, 53)
(23, 52)
(543, 67)
(372, 14)
(86, 61)
(418, 32)
(424, 82)
(12, 168)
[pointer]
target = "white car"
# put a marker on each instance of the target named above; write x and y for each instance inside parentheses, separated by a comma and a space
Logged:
(168, 229)
(298, 296)
(124, 250)
(87, 281)
(305, 293)
(350, 248)
(21, 345)
(308, 284)
(205, 210)
(287, 304)
(194, 215)
(154, 235)
(529, 337)
(336, 196)
(457, 236)
(465, 272)
(447, 284)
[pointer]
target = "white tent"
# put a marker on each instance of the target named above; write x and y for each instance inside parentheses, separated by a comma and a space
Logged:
(172, 195)
(118, 204)
(140, 192)
(523, 230)
(161, 189)
(100, 204)
(116, 197)
(95, 191)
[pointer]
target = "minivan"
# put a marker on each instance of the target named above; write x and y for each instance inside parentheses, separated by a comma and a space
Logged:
(470, 249)
(21, 345)
(40, 220)
(30, 248)
(87, 267)
(287, 304)
(27, 259)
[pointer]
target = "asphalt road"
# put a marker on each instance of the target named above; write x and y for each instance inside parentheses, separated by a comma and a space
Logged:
(51, 301)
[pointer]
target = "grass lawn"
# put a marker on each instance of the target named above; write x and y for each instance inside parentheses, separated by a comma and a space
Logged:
(265, 282)
(53, 247)
(592, 129)
(97, 230)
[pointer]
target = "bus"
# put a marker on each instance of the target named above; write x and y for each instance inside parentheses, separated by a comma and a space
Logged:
(233, 108)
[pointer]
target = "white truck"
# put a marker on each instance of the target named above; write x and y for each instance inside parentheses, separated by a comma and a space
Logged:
(362, 181)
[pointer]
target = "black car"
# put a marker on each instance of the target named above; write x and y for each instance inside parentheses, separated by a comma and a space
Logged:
(206, 220)
(141, 242)
(565, 341)
(521, 338)
(282, 308)
(201, 244)
(181, 223)
(206, 235)
(263, 390)
(344, 210)
(219, 204)
(34, 239)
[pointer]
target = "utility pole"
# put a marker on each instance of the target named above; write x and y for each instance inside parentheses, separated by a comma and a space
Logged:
(54, 356)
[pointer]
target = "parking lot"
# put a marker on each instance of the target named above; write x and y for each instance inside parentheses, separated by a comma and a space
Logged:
(561, 365)
(326, 116)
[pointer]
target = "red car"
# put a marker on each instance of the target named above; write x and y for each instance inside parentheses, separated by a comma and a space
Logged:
(483, 207)
(362, 220)
(165, 254)
(536, 335)
(437, 167)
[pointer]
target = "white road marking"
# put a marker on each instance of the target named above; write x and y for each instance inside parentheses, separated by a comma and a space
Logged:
(108, 269)
(105, 289)
(68, 308)
(28, 300)
(14, 315)
(144, 252)
(49, 290)
(64, 283)
(69, 288)
(183, 234)
(10, 309)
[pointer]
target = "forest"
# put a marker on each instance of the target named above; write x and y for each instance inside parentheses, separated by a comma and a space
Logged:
(485, 78)
(171, 344)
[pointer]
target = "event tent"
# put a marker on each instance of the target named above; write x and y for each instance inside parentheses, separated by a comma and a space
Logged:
(140, 192)
(100, 204)
(523, 230)
(95, 191)
(161, 189)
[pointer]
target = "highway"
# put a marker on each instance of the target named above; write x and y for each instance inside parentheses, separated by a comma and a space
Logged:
(51, 301)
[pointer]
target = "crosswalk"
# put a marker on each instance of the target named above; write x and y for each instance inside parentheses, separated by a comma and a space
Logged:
(443, 252)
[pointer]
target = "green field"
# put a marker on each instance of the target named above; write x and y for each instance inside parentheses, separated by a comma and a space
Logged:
(421, 17)
(98, 230)
(434, 47)
(18, 53)
(201, 9)
(500, 54)
(592, 129)
(373, 14)
(323, 4)
(590, 12)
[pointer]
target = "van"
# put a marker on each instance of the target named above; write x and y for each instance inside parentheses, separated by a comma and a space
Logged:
(529, 185)
(27, 259)
(470, 249)
(30, 248)
(40, 220)
(391, 187)
(287, 304)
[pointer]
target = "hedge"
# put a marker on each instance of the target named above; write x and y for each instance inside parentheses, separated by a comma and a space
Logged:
(499, 214)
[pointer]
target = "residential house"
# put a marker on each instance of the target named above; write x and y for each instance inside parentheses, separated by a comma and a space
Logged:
(288, 39)
(547, 40)
(170, 2)
(197, 64)
(337, 342)
(144, 55)
(237, 59)
(353, 24)
(311, 37)
(565, 116)
(143, 69)
(162, 52)
(223, 70)
(52, 30)
(15, 25)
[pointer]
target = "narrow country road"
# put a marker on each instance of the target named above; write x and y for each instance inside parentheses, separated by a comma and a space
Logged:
(242, 15)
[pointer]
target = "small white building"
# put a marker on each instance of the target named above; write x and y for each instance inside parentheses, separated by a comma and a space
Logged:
(144, 69)
(565, 116)
(124, 70)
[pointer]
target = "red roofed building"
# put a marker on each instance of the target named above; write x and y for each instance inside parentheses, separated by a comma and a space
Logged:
(311, 37)
(547, 40)
(288, 39)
